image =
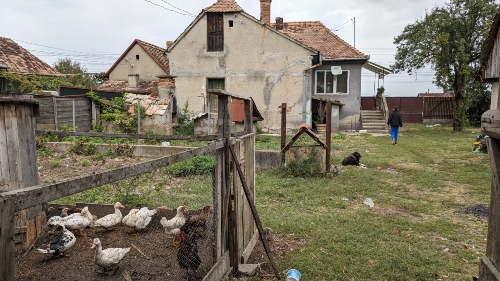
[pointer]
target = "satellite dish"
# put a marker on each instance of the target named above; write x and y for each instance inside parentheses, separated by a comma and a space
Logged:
(336, 70)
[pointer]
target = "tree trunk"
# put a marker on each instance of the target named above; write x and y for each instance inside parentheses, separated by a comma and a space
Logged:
(459, 98)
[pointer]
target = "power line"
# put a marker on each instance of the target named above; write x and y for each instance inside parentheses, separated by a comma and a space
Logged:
(179, 8)
(188, 14)
(337, 28)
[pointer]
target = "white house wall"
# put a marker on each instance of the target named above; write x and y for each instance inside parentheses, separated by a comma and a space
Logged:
(145, 66)
(256, 62)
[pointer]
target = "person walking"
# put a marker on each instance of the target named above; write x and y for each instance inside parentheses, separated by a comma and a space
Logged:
(395, 122)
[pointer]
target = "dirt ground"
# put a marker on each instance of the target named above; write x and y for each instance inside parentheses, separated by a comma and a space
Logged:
(152, 256)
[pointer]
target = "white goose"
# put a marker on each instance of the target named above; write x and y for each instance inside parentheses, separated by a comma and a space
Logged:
(111, 219)
(108, 258)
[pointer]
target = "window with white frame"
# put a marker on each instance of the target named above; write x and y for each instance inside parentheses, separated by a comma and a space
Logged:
(327, 83)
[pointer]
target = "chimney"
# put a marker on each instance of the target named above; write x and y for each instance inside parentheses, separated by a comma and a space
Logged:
(265, 10)
(133, 80)
(169, 43)
(279, 23)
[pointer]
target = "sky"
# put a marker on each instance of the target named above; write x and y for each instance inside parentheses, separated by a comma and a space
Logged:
(96, 32)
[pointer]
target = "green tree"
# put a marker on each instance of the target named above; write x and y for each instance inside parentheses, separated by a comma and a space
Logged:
(449, 39)
(77, 74)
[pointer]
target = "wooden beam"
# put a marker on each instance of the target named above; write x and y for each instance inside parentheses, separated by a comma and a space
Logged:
(248, 116)
(490, 123)
(254, 212)
(249, 248)
(127, 136)
(219, 269)
(7, 252)
(283, 131)
(35, 195)
(488, 271)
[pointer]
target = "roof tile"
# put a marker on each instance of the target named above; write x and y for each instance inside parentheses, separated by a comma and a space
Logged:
(317, 36)
(15, 57)
(224, 6)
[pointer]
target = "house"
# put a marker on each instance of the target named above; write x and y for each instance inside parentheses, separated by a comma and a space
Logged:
(296, 63)
(15, 58)
(142, 73)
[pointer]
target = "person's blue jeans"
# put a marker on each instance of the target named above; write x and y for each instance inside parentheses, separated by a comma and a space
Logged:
(394, 133)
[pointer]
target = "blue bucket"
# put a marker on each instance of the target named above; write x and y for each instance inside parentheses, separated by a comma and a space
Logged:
(293, 275)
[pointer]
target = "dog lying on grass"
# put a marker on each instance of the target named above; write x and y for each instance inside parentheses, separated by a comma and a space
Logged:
(352, 159)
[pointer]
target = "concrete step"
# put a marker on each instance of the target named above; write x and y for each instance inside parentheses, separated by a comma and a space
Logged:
(373, 127)
(381, 124)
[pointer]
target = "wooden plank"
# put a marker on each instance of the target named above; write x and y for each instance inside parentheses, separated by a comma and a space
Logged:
(487, 271)
(36, 195)
(249, 248)
(27, 145)
(219, 269)
(7, 247)
(55, 113)
(255, 215)
(217, 203)
(248, 116)
(129, 136)
(239, 200)
(490, 123)
(493, 240)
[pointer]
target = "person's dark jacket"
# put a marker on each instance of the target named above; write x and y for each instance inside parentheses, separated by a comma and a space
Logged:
(395, 119)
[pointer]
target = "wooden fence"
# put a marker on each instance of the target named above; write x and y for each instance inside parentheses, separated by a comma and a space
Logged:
(56, 112)
(233, 196)
(438, 107)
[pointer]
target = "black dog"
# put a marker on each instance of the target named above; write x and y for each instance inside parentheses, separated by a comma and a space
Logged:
(352, 159)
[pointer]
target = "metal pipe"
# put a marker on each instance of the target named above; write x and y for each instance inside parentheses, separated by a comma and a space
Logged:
(74, 120)
(138, 120)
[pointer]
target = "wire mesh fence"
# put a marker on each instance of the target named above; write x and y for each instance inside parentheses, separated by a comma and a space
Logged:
(159, 225)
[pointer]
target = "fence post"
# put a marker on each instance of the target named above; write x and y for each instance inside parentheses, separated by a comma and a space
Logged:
(7, 253)
(283, 130)
(328, 134)
(54, 100)
(74, 121)
(138, 119)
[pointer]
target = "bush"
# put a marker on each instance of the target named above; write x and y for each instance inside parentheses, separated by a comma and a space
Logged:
(305, 168)
(199, 165)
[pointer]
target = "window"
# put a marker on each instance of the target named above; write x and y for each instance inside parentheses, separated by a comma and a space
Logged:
(230, 23)
(215, 32)
(326, 83)
(136, 57)
(212, 99)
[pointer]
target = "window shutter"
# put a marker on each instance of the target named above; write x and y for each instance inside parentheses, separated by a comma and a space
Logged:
(215, 32)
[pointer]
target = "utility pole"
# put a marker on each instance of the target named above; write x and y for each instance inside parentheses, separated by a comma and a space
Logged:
(354, 32)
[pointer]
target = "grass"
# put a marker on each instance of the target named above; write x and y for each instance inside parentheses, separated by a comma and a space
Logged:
(416, 231)
(422, 184)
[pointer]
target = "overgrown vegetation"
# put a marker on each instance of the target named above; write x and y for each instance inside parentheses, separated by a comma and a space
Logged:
(302, 167)
(199, 165)
(116, 112)
(186, 126)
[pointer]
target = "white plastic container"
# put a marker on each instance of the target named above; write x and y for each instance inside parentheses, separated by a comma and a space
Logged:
(293, 275)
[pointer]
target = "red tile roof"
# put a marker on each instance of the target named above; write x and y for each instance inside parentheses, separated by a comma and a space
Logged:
(15, 57)
(423, 95)
(224, 6)
(317, 36)
(144, 87)
(155, 52)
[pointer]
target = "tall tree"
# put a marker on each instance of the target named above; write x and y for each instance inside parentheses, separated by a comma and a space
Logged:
(77, 74)
(449, 40)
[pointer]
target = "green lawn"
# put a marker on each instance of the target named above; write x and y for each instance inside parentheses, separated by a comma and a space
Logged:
(416, 231)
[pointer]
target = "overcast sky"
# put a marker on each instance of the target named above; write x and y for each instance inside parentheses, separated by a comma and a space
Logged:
(96, 32)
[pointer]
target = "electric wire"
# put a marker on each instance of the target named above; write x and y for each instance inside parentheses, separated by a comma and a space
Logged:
(184, 14)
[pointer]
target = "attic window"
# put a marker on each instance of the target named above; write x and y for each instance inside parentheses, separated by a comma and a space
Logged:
(136, 57)
(230, 23)
(215, 32)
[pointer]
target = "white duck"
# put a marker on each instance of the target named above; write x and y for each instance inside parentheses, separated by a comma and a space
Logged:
(111, 219)
(129, 220)
(174, 225)
(108, 258)
(62, 240)
(143, 217)
(64, 213)
(78, 221)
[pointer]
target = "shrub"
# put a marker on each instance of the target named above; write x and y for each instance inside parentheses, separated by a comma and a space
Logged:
(300, 167)
(199, 165)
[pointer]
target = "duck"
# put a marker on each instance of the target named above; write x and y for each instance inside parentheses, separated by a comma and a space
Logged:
(78, 221)
(174, 225)
(130, 219)
(113, 219)
(53, 218)
(143, 218)
(62, 241)
(108, 258)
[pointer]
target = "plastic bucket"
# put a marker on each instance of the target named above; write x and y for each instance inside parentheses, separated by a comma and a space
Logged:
(293, 275)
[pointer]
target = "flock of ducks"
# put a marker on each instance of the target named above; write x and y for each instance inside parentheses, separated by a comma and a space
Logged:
(108, 259)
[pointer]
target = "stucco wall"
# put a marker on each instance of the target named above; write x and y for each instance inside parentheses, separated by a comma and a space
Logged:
(350, 113)
(255, 62)
(145, 66)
